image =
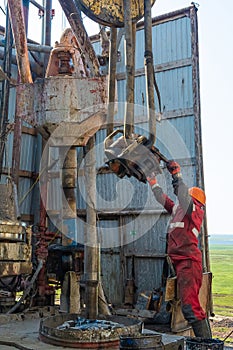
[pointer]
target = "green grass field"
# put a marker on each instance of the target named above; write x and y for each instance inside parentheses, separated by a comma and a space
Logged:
(221, 263)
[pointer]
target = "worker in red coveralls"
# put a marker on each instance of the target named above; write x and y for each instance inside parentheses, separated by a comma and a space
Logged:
(182, 245)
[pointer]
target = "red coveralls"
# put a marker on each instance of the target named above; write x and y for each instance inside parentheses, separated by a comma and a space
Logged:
(183, 250)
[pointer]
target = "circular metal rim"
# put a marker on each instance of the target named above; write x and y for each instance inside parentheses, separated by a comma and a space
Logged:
(101, 19)
(81, 345)
(48, 332)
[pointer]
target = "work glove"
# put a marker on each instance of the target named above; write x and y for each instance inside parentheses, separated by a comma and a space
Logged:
(152, 180)
(173, 167)
(175, 184)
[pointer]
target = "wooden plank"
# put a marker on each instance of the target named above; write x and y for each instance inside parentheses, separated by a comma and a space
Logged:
(136, 313)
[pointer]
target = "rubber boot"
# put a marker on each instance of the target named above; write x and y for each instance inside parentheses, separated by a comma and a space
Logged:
(202, 329)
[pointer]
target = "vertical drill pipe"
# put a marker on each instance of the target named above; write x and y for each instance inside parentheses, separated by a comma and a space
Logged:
(42, 251)
(46, 33)
(48, 9)
(69, 185)
(91, 244)
(75, 20)
(18, 21)
(5, 88)
(130, 69)
(112, 81)
(69, 176)
(149, 70)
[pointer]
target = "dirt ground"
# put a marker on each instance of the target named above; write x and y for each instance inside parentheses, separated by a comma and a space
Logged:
(222, 328)
(25, 331)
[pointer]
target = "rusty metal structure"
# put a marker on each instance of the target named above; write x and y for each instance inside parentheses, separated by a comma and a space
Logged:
(55, 105)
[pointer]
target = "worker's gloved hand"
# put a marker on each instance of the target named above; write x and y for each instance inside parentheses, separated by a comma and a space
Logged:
(176, 182)
(152, 180)
(173, 167)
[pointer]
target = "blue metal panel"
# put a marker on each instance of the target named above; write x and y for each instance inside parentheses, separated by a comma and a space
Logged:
(11, 108)
(112, 277)
(149, 236)
(175, 88)
(97, 47)
(171, 41)
(28, 152)
(121, 63)
(81, 193)
(25, 195)
(7, 160)
(99, 144)
(54, 195)
(111, 260)
(148, 273)
(175, 137)
(109, 236)
(69, 229)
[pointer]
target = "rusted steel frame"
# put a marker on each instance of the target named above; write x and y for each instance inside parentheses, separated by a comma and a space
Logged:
(33, 47)
(19, 33)
(75, 20)
(198, 138)
(149, 70)
(28, 289)
(112, 80)
(197, 115)
(5, 88)
(42, 247)
(91, 261)
(130, 33)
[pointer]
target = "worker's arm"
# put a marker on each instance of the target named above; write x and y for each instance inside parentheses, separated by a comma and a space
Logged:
(180, 189)
(161, 197)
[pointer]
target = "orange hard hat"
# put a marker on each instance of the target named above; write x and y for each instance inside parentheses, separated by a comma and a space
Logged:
(198, 194)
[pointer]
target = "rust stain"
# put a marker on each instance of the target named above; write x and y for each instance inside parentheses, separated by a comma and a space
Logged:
(112, 11)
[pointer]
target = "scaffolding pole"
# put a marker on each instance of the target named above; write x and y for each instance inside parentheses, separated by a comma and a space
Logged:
(91, 248)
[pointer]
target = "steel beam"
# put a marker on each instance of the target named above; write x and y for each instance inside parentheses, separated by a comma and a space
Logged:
(19, 34)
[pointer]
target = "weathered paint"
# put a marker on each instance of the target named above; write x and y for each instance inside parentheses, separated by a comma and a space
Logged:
(111, 12)
(176, 65)
(49, 102)
(178, 134)
(86, 339)
(15, 268)
(14, 252)
(19, 33)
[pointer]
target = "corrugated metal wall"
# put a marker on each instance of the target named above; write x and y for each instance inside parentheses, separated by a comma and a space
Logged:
(131, 224)
(30, 154)
(142, 222)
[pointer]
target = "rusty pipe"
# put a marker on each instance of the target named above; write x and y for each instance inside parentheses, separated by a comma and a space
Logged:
(19, 33)
(149, 70)
(48, 9)
(130, 32)
(112, 81)
(91, 263)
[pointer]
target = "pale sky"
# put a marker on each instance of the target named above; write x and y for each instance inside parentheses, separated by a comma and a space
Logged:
(216, 79)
